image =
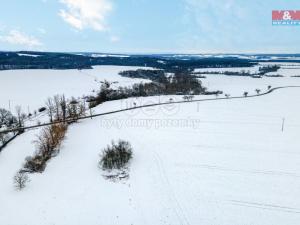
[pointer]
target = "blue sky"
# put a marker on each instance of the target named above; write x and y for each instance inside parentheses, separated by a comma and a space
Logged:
(147, 26)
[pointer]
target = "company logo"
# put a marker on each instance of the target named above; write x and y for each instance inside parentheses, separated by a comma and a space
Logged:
(286, 17)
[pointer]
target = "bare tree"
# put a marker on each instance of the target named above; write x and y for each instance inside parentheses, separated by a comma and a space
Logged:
(81, 109)
(20, 118)
(185, 98)
(20, 180)
(246, 94)
(63, 106)
(56, 100)
(258, 91)
(3, 139)
(50, 106)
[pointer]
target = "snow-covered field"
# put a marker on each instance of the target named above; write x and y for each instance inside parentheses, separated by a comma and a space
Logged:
(236, 85)
(33, 87)
(223, 162)
(287, 69)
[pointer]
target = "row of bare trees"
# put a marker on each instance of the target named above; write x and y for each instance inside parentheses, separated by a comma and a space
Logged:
(60, 109)
(48, 145)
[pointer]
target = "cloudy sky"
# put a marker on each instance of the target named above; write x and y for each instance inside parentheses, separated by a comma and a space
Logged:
(147, 26)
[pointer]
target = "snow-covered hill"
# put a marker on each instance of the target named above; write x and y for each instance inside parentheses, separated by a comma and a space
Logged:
(221, 162)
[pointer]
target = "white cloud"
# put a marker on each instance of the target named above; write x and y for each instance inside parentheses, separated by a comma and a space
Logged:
(114, 39)
(42, 30)
(82, 14)
(16, 37)
(2, 27)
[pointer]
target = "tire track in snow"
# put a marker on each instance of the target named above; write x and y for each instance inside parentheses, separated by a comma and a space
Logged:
(170, 192)
(224, 169)
(265, 206)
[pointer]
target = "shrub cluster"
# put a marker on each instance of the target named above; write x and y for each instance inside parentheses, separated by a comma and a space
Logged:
(48, 144)
(116, 156)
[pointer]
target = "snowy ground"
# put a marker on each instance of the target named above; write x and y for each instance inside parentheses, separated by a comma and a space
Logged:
(33, 87)
(236, 85)
(287, 69)
(222, 162)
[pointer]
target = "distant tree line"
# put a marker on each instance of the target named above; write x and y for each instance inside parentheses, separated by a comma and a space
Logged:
(50, 60)
(154, 75)
(267, 69)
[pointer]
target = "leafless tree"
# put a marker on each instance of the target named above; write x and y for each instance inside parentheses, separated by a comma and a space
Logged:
(3, 139)
(20, 180)
(63, 106)
(50, 107)
(20, 118)
(56, 100)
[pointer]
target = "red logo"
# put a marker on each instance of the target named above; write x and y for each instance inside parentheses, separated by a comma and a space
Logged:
(286, 15)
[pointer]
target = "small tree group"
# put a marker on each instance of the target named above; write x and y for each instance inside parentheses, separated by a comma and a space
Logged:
(116, 156)
(181, 83)
(48, 144)
(8, 121)
(6, 118)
